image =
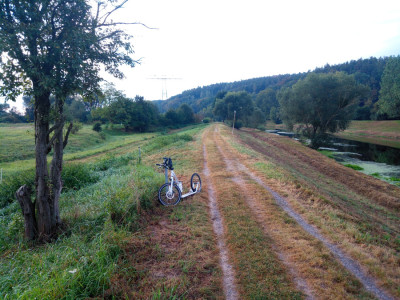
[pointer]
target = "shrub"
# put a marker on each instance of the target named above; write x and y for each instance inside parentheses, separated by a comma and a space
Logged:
(76, 126)
(238, 124)
(206, 120)
(125, 203)
(12, 183)
(261, 127)
(354, 167)
(76, 176)
(97, 127)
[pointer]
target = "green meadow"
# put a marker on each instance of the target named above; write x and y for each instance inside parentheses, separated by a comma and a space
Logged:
(106, 191)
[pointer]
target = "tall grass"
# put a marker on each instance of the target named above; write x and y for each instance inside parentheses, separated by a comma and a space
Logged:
(101, 204)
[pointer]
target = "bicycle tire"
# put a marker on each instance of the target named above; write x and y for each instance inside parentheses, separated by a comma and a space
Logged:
(169, 200)
(193, 182)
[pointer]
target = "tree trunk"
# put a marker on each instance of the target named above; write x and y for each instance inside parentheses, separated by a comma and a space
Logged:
(28, 211)
(42, 114)
(56, 165)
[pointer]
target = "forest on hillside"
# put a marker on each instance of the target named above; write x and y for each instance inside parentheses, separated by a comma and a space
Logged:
(255, 100)
(365, 71)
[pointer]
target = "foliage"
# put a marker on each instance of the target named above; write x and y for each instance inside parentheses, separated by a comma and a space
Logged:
(134, 114)
(235, 104)
(76, 176)
(56, 48)
(266, 100)
(76, 127)
(274, 115)
(11, 184)
(320, 103)
(389, 96)
(97, 127)
(354, 167)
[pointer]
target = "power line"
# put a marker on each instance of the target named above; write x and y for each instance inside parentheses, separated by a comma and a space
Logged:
(164, 84)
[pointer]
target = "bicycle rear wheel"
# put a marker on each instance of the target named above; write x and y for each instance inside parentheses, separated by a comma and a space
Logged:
(195, 182)
(169, 198)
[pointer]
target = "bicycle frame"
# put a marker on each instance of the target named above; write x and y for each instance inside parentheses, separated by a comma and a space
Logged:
(174, 179)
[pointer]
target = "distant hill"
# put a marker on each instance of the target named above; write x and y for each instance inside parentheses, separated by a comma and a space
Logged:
(366, 71)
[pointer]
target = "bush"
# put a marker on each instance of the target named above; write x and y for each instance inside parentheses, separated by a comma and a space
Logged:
(206, 120)
(76, 126)
(76, 176)
(238, 124)
(109, 161)
(12, 183)
(97, 127)
(125, 203)
(261, 127)
(354, 167)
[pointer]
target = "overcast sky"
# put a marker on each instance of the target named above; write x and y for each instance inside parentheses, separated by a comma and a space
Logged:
(210, 41)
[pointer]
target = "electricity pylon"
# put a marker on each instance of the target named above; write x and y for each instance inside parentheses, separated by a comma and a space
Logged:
(164, 84)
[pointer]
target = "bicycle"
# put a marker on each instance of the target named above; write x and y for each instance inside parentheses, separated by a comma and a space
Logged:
(170, 193)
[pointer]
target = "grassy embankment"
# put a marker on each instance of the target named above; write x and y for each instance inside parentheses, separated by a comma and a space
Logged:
(386, 133)
(358, 213)
(106, 218)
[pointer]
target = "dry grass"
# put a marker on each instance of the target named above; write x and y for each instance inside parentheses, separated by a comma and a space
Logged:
(385, 133)
(175, 255)
(349, 216)
(305, 256)
(259, 271)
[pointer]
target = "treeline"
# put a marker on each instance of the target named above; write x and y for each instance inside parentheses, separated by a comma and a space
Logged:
(109, 106)
(263, 90)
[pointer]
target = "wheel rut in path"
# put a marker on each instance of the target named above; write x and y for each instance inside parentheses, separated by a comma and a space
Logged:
(300, 283)
(229, 284)
(351, 265)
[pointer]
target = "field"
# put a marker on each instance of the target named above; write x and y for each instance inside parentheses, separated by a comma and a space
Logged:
(386, 133)
(274, 220)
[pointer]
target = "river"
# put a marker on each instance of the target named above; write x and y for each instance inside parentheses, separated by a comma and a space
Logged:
(380, 161)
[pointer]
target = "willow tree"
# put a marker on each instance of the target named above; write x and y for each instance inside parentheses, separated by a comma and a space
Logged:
(321, 103)
(55, 48)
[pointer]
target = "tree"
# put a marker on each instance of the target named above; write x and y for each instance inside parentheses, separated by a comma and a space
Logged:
(274, 115)
(389, 97)
(320, 103)
(266, 99)
(55, 48)
(186, 114)
(172, 117)
(29, 108)
(240, 102)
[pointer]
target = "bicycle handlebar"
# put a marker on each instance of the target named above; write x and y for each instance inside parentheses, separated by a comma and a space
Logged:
(167, 163)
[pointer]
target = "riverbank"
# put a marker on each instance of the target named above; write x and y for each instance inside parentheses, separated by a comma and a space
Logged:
(386, 133)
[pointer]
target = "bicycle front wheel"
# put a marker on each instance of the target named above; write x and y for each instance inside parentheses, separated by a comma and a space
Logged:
(195, 182)
(167, 197)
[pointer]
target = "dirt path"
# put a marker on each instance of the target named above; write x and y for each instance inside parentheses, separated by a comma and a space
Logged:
(229, 284)
(234, 166)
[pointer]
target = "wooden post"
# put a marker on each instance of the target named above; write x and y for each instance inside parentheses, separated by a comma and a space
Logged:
(234, 116)
(140, 156)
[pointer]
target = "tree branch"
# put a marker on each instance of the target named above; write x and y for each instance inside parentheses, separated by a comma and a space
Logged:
(125, 23)
(56, 128)
(67, 135)
(106, 15)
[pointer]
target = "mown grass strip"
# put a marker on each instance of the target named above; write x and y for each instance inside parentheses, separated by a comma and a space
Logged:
(259, 271)
(374, 246)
